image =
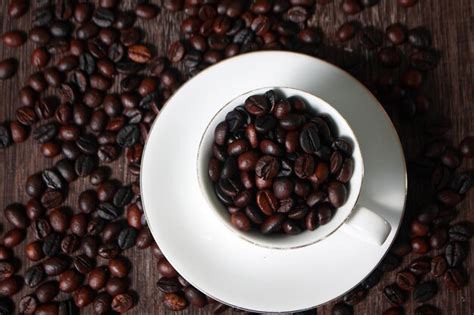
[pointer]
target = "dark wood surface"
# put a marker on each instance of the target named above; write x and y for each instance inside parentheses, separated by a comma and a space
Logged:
(450, 87)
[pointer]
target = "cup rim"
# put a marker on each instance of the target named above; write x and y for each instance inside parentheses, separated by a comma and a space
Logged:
(244, 235)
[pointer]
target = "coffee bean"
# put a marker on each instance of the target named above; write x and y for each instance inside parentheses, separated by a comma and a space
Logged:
(55, 266)
(88, 201)
(272, 224)
(16, 215)
(127, 238)
(95, 226)
(461, 182)
(13, 237)
(342, 309)
(13, 38)
(90, 246)
(59, 220)
(17, 8)
(47, 309)
(420, 266)
(53, 179)
(78, 224)
(102, 303)
(438, 238)
(108, 251)
(394, 294)
(69, 244)
(83, 264)
(420, 245)
(119, 267)
(174, 302)
(419, 37)
(34, 275)
(117, 286)
(108, 211)
(460, 233)
(27, 304)
(52, 244)
(406, 280)
(122, 302)
(425, 291)
(8, 68)
(6, 270)
(66, 170)
(10, 286)
(47, 291)
(454, 279)
(70, 280)
(407, 3)
(85, 165)
(122, 196)
(395, 310)
(455, 253)
(34, 251)
(168, 285)
(83, 296)
(240, 221)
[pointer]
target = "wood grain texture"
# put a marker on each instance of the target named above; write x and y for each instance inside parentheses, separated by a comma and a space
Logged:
(450, 87)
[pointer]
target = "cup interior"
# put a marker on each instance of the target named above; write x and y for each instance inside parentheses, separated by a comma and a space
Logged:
(282, 241)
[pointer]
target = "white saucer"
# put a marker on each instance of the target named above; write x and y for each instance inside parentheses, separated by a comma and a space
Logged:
(216, 260)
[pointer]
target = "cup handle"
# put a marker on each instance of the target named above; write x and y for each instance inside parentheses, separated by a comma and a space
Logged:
(367, 226)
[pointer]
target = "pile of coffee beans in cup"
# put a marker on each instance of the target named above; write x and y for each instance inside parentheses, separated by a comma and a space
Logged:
(93, 86)
(278, 167)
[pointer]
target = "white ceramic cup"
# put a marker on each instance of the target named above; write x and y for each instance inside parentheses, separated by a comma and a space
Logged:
(352, 217)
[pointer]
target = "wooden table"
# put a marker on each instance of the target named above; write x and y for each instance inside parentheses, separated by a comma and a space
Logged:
(450, 87)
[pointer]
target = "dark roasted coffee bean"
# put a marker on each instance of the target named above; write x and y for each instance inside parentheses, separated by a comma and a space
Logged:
(16, 215)
(47, 291)
(455, 279)
(438, 266)
(83, 264)
(342, 309)
(78, 224)
(53, 179)
(128, 135)
(460, 233)
(9, 287)
(83, 296)
(108, 211)
(394, 294)
(425, 291)
(52, 244)
(8, 68)
(55, 265)
(70, 280)
(69, 244)
(90, 246)
(395, 310)
(42, 16)
(427, 309)
(118, 267)
(462, 182)
(85, 164)
(18, 132)
(168, 285)
(127, 238)
(66, 170)
(406, 280)
(34, 251)
(455, 253)
(27, 305)
(34, 275)
(419, 37)
(108, 251)
(438, 238)
(122, 302)
(52, 198)
(103, 17)
(13, 38)
(123, 196)
(102, 303)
